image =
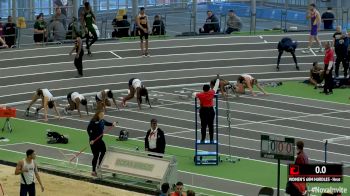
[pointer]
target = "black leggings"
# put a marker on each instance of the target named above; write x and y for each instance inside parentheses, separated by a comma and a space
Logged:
(207, 115)
(78, 62)
(94, 37)
(98, 150)
(27, 189)
(280, 52)
(341, 59)
(328, 81)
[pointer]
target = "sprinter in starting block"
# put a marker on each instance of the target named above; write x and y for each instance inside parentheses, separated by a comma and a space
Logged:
(47, 102)
(248, 81)
(224, 87)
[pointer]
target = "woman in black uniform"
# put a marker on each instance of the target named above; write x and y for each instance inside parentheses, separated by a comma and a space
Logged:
(78, 60)
(288, 45)
(95, 131)
(142, 23)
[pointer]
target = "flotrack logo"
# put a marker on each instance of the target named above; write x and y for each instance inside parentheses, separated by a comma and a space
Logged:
(331, 189)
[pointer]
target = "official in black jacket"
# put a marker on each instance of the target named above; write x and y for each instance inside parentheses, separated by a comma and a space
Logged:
(288, 45)
(95, 131)
(155, 139)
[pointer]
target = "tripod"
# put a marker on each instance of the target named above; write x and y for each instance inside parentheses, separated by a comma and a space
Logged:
(7, 125)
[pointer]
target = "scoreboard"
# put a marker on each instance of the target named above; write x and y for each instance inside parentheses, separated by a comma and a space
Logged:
(315, 173)
(277, 148)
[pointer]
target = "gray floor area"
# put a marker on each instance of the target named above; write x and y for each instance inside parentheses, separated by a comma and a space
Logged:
(179, 63)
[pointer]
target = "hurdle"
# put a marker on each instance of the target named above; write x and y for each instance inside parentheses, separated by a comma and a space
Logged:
(334, 140)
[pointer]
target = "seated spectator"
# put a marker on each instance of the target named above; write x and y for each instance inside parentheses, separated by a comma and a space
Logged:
(191, 193)
(328, 18)
(178, 190)
(3, 44)
(211, 24)
(165, 189)
(115, 25)
(10, 32)
(72, 29)
(158, 26)
(57, 26)
(234, 23)
(40, 31)
(155, 139)
(121, 26)
(316, 74)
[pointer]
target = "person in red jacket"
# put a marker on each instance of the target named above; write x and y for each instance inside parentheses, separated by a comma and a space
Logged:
(206, 111)
(299, 188)
(328, 69)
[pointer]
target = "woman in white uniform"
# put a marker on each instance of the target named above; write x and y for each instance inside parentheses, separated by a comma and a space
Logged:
(136, 86)
(247, 81)
(102, 99)
(74, 101)
(47, 101)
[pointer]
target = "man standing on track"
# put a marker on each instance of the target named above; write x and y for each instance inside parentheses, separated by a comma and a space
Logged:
(328, 69)
(315, 20)
(142, 24)
(206, 111)
(27, 168)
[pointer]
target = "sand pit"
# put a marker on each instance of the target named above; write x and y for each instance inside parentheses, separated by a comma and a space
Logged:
(57, 186)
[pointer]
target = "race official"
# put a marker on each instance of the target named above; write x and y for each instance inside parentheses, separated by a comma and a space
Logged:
(206, 111)
(328, 69)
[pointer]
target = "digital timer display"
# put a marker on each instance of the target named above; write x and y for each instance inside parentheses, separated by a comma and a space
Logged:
(315, 173)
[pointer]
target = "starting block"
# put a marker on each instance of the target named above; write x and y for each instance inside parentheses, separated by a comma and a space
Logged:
(29, 113)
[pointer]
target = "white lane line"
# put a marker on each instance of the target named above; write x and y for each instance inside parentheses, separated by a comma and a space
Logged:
(244, 104)
(185, 54)
(150, 64)
(119, 57)
(138, 73)
(303, 114)
(166, 40)
(136, 49)
(261, 122)
(276, 101)
(264, 122)
(296, 104)
(261, 37)
(152, 88)
(143, 131)
(312, 51)
(309, 99)
(222, 144)
(337, 139)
